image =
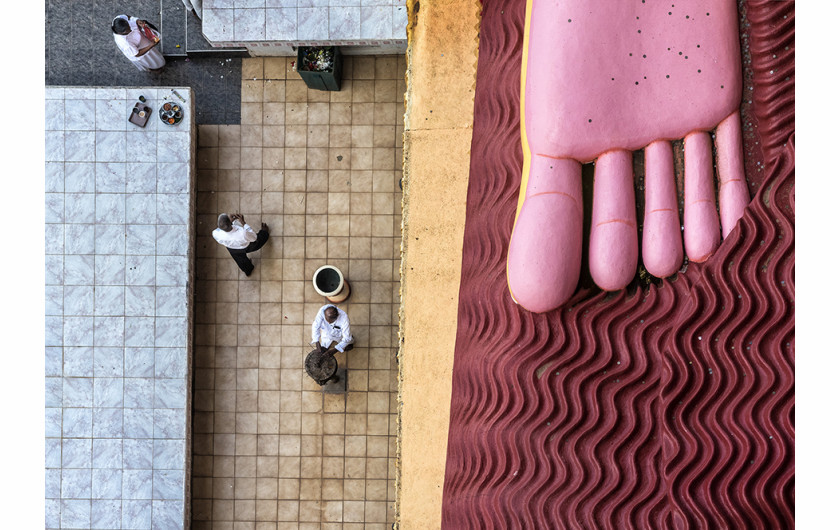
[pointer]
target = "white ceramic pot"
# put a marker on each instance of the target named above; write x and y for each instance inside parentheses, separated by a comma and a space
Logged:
(330, 283)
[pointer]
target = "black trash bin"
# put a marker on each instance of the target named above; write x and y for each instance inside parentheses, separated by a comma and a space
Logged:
(320, 80)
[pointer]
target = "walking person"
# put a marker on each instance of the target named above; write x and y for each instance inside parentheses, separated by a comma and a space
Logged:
(331, 325)
(240, 239)
(137, 39)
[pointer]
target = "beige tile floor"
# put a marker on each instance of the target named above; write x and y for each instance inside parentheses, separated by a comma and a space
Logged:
(322, 169)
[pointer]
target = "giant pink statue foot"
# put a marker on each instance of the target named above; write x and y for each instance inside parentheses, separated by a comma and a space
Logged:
(601, 79)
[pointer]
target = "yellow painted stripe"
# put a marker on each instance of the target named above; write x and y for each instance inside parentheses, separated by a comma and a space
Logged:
(526, 151)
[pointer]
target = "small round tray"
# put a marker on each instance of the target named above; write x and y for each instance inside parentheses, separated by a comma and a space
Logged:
(175, 112)
(320, 366)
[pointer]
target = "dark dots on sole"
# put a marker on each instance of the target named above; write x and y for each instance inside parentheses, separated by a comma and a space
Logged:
(590, 121)
(570, 20)
(698, 71)
(637, 82)
(667, 76)
(680, 53)
(644, 56)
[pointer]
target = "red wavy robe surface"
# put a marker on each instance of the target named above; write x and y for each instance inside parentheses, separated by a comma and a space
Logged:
(665, 407)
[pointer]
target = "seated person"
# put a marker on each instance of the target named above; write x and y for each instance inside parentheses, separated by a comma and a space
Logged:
(332, 326)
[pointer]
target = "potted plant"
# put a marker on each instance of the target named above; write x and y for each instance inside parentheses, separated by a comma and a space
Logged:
(319, 67)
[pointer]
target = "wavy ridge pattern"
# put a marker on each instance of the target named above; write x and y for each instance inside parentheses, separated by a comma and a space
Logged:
(633, 409)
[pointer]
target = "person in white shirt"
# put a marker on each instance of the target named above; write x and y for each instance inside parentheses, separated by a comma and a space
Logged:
(332, 325)
(130, 38)
(240, 239)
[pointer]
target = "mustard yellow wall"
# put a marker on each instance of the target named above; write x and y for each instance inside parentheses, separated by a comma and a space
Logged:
(441, 57)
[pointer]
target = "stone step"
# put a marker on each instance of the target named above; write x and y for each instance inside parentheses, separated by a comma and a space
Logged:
(197, 45)
(182, 37)
(173, 27)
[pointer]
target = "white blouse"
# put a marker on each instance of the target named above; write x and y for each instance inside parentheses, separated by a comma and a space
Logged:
(131, 44)
(239, 237)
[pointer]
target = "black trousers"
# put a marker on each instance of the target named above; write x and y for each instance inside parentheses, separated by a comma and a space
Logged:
(240, 255)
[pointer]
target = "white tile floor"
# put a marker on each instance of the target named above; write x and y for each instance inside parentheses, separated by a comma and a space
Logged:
(347, 21)
(118, 223)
